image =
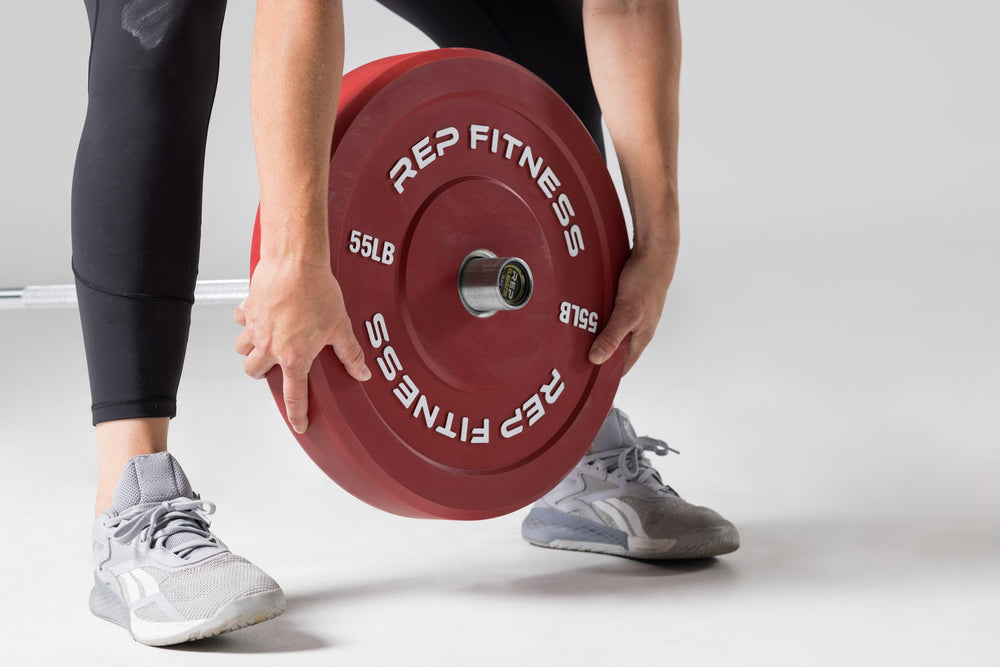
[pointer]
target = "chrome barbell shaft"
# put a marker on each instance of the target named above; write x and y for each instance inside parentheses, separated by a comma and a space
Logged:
(64, 296)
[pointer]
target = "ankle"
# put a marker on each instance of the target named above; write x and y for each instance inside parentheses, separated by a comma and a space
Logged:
(117, 443)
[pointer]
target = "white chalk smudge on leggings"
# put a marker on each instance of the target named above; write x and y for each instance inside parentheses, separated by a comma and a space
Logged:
(148, 20)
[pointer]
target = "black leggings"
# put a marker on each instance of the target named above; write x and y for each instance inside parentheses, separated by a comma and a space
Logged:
(137, 186)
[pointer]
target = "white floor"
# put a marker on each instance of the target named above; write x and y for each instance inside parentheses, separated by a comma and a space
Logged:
(847, 437)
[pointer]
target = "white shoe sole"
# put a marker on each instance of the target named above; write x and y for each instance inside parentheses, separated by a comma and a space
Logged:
(237, 614)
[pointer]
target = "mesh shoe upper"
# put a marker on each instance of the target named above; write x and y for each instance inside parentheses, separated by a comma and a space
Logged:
(197, 592)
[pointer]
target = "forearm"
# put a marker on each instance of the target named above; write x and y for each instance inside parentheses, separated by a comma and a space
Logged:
(634, 48)
(298, 59)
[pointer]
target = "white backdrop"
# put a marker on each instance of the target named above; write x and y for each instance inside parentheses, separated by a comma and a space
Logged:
(829, 351)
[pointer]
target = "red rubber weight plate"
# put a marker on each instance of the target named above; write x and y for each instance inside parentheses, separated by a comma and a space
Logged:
(436, 155)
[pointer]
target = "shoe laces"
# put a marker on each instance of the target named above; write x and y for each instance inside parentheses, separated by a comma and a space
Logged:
(155, 524)
(631, 460)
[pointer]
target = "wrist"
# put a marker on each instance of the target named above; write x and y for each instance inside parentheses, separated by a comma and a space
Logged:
(295, 235)
(657, 230)
(658, 253)
(295, 232)
(295, 259)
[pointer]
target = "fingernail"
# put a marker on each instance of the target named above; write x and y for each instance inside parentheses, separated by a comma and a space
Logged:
(597, 356)
(366, 374)
(302, 430)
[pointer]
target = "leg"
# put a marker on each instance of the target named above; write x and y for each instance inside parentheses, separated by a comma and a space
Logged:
(159, 571)
(137, 191)
(545, 36)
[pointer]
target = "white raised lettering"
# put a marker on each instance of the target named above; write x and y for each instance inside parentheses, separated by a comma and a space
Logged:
(388, 252)
(450, 132)
(423, 153)
(548, 182)
(564, 209)
(481, 434)
(533, 409)
(553, 389)
(445, 429)
(405, 170)
(429, 416)
(511, 143)
(377, 331)
(574, 240)
(512, 426)
(478, 133)
(533, 167)
(406, 391)
(389, 363)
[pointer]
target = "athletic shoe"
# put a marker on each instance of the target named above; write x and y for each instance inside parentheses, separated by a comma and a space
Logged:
(614, 502)
(160, 573)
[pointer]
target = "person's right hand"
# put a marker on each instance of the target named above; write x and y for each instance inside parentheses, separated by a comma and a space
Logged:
(293, 311)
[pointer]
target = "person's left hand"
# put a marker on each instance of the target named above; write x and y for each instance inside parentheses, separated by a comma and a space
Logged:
(642, 290)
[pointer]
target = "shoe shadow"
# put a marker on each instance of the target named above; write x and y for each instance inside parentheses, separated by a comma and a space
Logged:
(614, 578)
(609, 576)
(278, 635)
(578, 575)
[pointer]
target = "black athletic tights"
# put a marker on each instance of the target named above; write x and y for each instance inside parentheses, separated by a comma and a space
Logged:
(137, 186)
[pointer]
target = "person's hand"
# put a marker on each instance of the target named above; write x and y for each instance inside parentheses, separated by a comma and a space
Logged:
(642, 289)
(293, 311)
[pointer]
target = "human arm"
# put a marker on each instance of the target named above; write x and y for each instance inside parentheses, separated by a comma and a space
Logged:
(634, 50)
(295, 307)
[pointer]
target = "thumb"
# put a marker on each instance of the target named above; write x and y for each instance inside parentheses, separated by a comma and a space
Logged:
(349, 351)
(623, 320)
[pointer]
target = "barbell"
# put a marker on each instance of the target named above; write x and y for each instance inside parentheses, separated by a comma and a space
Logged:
(64, 296)
(477, 238)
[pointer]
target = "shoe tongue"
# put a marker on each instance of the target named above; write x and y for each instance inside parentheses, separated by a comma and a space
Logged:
(151, 478)
(616, 432)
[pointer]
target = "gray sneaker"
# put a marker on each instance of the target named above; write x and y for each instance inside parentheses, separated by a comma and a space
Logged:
(160, 574)
(614, 502)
